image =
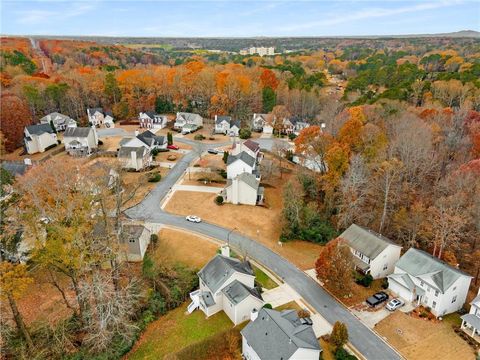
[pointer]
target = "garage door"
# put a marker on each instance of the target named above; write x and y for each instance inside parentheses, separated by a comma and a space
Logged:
(398, 289)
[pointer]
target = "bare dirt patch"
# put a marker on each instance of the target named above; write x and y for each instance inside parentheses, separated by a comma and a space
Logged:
(184, 247)
(421, 339)
(257, 222)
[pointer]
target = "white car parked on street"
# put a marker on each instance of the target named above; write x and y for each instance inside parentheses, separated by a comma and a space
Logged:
(193, 218)
(394, 304)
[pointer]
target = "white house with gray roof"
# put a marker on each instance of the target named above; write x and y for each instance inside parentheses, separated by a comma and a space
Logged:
(134, 239)
(226, 125)
(80, 141)
(190, 119)
(471, 321)
(38, 138)
(152, 120)
(241, 163)
(134, 158)
(59, 121)
(227, 284)
(422, 278)
(251, 147)
(97, 117)
(279, 335)
(373, 253)
(243, 189)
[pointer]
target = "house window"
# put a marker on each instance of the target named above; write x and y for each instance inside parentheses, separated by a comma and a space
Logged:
(385, 267)
(434, 304)
(436, 292)
(421, 283)
(454, 299)
(454, 288)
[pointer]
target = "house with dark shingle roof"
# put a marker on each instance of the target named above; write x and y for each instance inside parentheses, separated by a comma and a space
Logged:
(263, 123)
(80, 141)
(38, 138)
(226, 125)
(60, 122)
(279, 335)
(251, 147)
(152, 140)
(227, 284)
(240, 163)
(97, 117)
(152, 120)
(426, 280)
(373, 253)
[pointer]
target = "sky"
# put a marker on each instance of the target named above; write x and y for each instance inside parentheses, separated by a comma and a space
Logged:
(230, 18)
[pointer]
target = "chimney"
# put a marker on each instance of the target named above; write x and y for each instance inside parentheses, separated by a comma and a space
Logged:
(95, 135)
(225, 250)
(134, 158)
(253, 314)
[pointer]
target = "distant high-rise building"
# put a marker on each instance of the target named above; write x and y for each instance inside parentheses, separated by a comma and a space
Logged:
(262, 51)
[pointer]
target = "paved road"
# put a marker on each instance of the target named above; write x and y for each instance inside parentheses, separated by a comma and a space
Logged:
(362, 338)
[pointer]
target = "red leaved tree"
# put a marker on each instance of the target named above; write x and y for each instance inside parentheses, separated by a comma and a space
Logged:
(14, 116)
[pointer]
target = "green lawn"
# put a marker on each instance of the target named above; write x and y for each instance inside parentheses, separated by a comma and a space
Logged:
(176, 330)
(263, 279)
(453, 319)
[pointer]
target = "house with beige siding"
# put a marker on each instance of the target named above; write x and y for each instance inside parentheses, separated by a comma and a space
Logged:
(80, 141)
(59, 121)
(134, 158)
(227, 284)
(38, 138)
(134, 239)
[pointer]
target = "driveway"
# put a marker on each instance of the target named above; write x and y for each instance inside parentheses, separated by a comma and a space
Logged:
(371, 318)
(362, 338)
(280, 295)
(199, 188)
(112, 132)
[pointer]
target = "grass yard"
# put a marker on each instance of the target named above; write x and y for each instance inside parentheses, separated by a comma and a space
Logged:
(361, 293)
(184, 247)
(263, 279)
(421, 339)
(288, 306)
(248, 219)
(132, 179)
(175, 331)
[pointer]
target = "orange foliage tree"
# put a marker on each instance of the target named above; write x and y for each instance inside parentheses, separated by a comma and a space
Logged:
(13, 119)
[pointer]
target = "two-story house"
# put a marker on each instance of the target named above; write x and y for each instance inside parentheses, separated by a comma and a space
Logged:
(373, 253)
(422, 278)
(190, 119)
(244, 189)
(59, 121)
(241, 163)
(259, 121)
(251, 147)
(38, 138)
(80, 141)
(279, 335)
(152, 120)
(226, 125)
(227, 284)
(471, 321)
(98, 117)
(134, 239)
(134, 158)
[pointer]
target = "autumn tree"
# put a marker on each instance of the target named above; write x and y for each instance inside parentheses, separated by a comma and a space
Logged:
(14, 281)
(313, 143)
(334, 267)
(13, 119)
(339, 335)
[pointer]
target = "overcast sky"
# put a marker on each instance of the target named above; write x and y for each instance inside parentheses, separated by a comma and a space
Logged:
(237, 18)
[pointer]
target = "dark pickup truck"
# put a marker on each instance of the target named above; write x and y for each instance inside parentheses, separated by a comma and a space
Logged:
(377, 299)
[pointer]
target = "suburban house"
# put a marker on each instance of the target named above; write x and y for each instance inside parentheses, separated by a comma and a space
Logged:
(80, 141)
(184, 118)
(227, 284)
(153, 141)
(97, 117)
(134, 158)
(226, 125)
(422, 278)
(471, 321)
(59, 121)
(38, 138)
(251, 147)
(135, 239)
(241, 163)
(152, 120)
(279, 335)
(260, 120)
(373, 253)
(244, 189)
(311, 162)
(294, 125)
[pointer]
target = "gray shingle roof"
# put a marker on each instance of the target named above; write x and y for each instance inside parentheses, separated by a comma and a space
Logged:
(367, 241)
(247, 159)
(92, 111)
(126, 151)
(77, 132)
(236, 292)
(14, 168)
(220, 268)
(131, 231)
(472, 319)
(221, 118)
(188, 116)
(278, 335)
(249, 179)
(40, 129)
(430, 269)
(56, 117)
(150, 138)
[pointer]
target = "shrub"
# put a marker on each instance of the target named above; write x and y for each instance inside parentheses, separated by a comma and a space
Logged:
(303, 313)
(219, 200)
(245, 133)
(223, 173)
(225, 157)
(100, 142)
(267, 306)
(50, 147)
(292, 136)
(156, 177)
(154, 239)
(342, 354)
(211, 138)
(199, 137)
(155, 152)
(385, 283)
(59, 142)
(169, 138)
(365, 280)
(289, 155)
(196, 165)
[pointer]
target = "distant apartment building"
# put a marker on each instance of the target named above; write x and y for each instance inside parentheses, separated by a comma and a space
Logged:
(262, 51)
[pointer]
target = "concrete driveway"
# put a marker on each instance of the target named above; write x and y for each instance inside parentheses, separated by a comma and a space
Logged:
(371, 318)
(112, 132)
(280, 295)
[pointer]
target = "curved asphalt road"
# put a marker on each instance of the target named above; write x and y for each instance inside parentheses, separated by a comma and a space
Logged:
(362, 338)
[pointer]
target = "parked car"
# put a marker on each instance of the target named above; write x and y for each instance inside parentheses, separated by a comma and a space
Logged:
(212, 151)
(394, 304)
(193, 218)
(173, 147)
(377, 299)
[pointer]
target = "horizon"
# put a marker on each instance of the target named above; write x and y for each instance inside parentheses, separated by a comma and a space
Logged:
(245, 19)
